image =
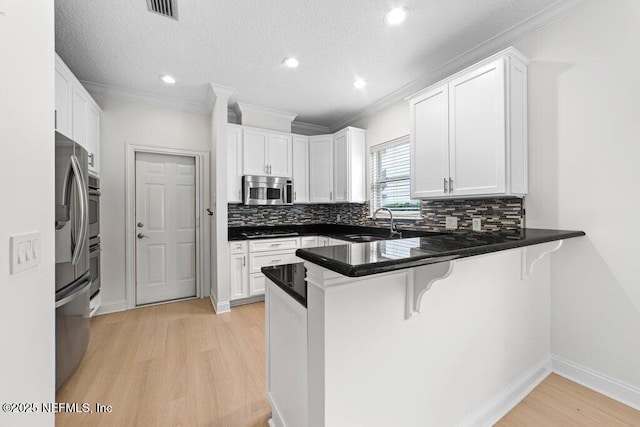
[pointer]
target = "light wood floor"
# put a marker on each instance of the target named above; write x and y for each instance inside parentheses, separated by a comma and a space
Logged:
(181, 365)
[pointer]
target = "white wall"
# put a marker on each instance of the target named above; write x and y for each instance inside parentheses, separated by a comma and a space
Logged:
(584, 158)
(129, 122)
(27, 355)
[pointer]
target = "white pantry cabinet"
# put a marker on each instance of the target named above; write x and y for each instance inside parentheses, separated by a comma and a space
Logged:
(300, 169)
(267, 152)
(76, 114)
(321, 169)
(234, 163)
(349, 160)
(469, 132)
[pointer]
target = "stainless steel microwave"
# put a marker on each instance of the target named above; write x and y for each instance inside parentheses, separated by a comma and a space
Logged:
(267, 190)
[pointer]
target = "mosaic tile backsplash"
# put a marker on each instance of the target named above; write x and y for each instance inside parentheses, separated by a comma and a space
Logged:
(498, 214)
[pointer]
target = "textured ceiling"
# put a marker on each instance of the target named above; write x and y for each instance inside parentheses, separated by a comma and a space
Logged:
(241, 43)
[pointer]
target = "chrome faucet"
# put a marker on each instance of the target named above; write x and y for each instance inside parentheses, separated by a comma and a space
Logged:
(394, 230)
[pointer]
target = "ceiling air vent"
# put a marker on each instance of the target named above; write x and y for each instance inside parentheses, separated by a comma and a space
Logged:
(168, 8)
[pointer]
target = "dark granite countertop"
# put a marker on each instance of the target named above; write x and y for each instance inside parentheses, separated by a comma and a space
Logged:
(290, 278)
(362, 259)
(337, 231)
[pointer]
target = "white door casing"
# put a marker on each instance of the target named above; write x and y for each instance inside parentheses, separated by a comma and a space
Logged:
(166, 246)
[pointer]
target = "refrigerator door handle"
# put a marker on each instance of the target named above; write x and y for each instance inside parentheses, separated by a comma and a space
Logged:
(77, 292)
(84, 204)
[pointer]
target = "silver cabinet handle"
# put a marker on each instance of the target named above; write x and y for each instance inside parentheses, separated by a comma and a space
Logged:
(91, 160)
(142, 236)
(331, 195)
(244, 261)
(275, 244)
(275, 260)
(450, 185)
(446, 188)
(270, 167)
(266, 169)
(55, 119)
(295, 197)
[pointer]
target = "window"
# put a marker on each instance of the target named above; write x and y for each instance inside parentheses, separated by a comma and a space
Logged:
(390, 178)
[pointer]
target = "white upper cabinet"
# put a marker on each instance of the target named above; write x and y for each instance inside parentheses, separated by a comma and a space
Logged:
(468, 132)
(300, 169)
(321, 169)
(280, 154)
(349, 164)
(234, 164)
(63, 96)
(256, 142)
(267, 152)
(431, 131)
(77, 115)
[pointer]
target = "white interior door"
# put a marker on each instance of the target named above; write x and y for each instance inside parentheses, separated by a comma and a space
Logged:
(165, 228)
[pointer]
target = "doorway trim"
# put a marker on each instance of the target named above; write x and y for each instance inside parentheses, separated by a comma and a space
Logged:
(202, 225)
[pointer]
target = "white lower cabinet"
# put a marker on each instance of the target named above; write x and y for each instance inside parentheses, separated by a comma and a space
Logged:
(256, 284)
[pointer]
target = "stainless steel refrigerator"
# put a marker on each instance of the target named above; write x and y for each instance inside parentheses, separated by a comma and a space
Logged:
(73, 280)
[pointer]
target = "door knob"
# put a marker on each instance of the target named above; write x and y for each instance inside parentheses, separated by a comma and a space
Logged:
(140, 224)
(142, 236)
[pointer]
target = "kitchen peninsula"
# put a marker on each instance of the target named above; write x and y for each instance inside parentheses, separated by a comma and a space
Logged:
(446, 329)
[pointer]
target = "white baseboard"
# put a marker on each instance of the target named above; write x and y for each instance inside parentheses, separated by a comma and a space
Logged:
(503, 402)
(220, 307)
(603, 384)
(112, 307)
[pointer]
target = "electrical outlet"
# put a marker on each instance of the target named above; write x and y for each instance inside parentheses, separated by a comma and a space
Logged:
(477, 224)
(338, 217)
(451, 223)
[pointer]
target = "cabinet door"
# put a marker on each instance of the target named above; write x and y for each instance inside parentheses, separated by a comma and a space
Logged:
(477, 131)
(280, 156)
(255, 151)
(257, 284)
(63, 95)
(234, 164)
(300, 169)
(238, 276)
(321, 169)
(341, 161)
(93, 138)
(79, 117)
(430, 144)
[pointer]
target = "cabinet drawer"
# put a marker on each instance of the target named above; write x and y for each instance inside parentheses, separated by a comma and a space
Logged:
(257, 284)
(237, 248)
(259, 260)
(274, 244)
(309, 241)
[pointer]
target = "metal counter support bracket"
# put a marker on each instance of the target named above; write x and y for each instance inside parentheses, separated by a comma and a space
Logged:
(420, 281)
(532, 254)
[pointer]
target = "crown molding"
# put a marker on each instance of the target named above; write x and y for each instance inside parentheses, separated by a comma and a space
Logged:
(309, 128)
(502, 40)
(249, 108)
(96, 89)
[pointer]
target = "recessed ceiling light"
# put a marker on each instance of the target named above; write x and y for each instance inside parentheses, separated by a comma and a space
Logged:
(168, 79)
(396, 16)
(359, 83)
(291, 62)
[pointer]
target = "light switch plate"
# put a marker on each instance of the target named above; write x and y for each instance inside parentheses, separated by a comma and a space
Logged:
(476, 224)
(25, 251)
(451, 223)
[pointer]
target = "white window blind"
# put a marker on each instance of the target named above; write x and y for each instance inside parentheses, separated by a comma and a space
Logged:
(390, 178)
